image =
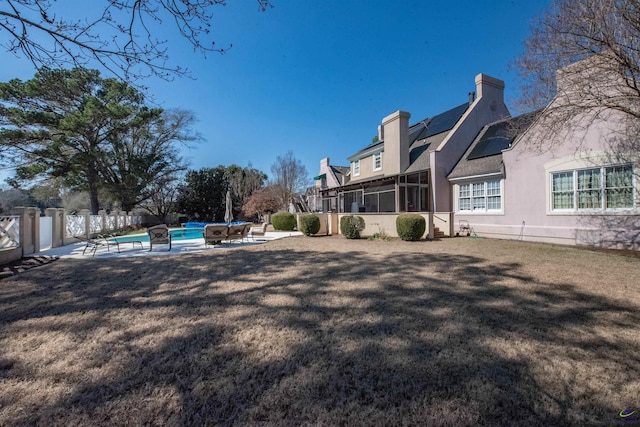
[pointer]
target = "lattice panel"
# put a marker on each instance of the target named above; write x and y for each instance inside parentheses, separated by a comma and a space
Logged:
(76, 225)
(9, 232)
(111, 223)
(95, 224)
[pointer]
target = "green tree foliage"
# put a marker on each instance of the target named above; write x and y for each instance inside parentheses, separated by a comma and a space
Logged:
(243, 182)
(202, 195)
(89, 132)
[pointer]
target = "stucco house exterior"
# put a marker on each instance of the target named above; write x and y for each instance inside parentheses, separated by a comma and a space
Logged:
(406, 169)
(533, 178)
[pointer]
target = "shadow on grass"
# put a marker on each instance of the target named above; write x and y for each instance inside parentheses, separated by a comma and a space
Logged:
(315, 338)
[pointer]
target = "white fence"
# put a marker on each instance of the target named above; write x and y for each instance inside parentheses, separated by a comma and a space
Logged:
(9, 231)
(26, 231)
(46, 232)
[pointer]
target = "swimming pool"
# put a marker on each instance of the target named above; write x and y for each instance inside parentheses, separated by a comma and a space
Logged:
(176, 234)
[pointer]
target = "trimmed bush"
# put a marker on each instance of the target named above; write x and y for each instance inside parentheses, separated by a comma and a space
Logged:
(309, 224)
(351, 226)
(410, 227)
(283, 221)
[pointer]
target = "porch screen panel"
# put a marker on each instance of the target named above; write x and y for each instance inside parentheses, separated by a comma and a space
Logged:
(387, 201)
(371, 202)
(619, 187)
(423, 199)
(413, 198)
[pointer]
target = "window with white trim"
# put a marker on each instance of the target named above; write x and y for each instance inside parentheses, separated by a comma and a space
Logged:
(609, 187)
(484, 196)
(356, 167)
(377, 161)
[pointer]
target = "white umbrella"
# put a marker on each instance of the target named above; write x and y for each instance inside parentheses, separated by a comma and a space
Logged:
(228, 212)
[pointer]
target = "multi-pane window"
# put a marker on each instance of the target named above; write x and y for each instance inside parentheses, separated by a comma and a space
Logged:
(480, 196)
(356, 167)
(619, 187)
(377, 161)
(494, 198)
(464, 197)
(595, 188)
(563, 190)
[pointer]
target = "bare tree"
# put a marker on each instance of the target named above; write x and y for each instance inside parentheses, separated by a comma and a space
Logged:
(120, 36)
(571, 30)
(593, 46)
(290, 176)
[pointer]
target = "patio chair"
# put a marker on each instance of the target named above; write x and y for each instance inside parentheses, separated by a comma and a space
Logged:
(94, 244)
(236, 232)
(159, 234)
(257, 231)
(214, 234)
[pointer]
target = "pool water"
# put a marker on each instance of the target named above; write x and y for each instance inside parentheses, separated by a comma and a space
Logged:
(177, 234)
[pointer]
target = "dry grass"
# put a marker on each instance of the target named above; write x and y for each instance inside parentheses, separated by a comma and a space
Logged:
(325, 331)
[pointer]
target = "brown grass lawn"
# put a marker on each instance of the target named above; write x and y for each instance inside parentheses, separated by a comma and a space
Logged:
(325, 331)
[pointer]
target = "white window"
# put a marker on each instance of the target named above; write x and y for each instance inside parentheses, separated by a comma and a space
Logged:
(480, 196)
(586, 189)
(356, 167)
(377, 161)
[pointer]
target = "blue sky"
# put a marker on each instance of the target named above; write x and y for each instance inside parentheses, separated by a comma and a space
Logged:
(317, 77)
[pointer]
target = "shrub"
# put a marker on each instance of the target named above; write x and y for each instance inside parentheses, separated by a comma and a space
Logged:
(283, 221)
(310, 224)
(351, 226)
(410, 226)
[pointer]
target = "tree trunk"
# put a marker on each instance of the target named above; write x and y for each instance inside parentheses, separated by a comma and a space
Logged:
(92, 183)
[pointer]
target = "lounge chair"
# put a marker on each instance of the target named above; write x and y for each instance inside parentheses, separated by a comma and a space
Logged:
(236, 232)
(214, 234)
(94, 244)
(257, 231)
(159, 234)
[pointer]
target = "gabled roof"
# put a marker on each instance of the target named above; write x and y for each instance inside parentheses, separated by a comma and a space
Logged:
(426, 136)
(437, 124)
(484, 155)
(424, 129)
(342, 170)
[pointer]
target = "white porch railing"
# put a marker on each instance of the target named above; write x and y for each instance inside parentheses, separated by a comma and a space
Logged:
(9, 231)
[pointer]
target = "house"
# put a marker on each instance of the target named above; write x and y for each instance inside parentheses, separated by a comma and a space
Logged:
(406, 169)
(329, 178)
(552, 175)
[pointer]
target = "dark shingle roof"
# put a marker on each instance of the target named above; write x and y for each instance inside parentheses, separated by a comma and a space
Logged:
(425, 128)
(484, 155)
(437, 124)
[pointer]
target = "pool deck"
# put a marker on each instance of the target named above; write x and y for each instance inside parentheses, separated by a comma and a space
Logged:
(140, 249)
